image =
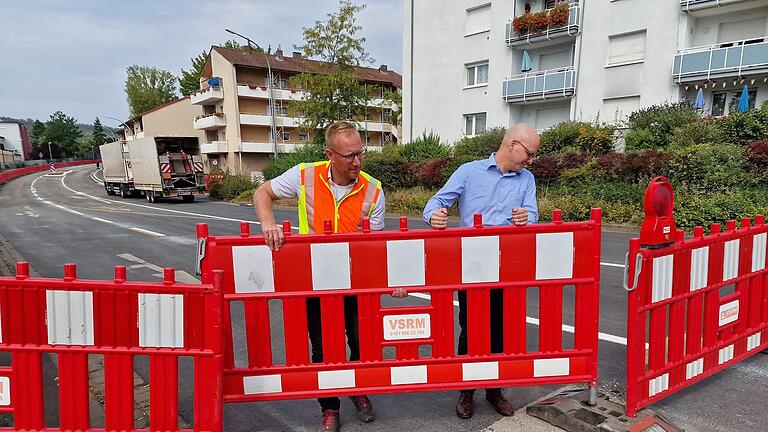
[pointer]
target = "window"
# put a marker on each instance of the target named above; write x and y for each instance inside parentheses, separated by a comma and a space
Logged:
(286, 136)
(719, 99)
(474, 123)
(303, 136)
(618, 109)
(549, 4)
(626, 48)
(478, 20)
(741, 30)
(477, 74)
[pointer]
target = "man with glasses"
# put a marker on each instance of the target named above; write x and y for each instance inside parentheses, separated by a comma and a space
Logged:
(335, 190)
(504, 192)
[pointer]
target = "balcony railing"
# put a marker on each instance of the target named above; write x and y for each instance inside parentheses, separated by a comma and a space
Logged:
(208, 96)
(570, 29)
(210, 121)
(214, 147)
(693, 5)
(544, 85)
(725, 60)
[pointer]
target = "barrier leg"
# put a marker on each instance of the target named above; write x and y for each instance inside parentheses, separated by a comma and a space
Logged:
(118, 391)
(27, 390)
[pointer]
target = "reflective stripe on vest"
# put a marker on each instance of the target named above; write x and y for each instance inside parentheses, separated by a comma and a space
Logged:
(317, 202)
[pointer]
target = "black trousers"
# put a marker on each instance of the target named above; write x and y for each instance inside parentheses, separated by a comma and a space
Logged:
(314, 324)
(497, 323)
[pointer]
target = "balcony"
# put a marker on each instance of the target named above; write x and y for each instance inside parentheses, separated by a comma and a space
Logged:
(210, 121)
(266, 147)
(262, 92)
(214, 147)
(553, 31)
(550, 84)
(721, 61)
(265, 120)
(209, 96)
(694, 5)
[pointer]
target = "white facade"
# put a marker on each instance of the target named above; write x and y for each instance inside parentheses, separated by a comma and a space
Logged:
(610, 57)
(11, 132)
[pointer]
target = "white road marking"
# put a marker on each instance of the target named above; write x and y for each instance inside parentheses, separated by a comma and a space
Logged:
(98, 219)
(535, 321)
(96, 179)
(205, 216)
(607, 264)
(181, 275)
(147, 232)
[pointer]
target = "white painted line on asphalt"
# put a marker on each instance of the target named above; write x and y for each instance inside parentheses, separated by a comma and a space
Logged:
(147, 232)
(535, 321)
(96, 179)
(607, 264)
(205, 216)
(98, 219)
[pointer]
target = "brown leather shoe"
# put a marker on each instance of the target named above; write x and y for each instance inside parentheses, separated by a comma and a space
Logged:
(465, 407)
(499, 402)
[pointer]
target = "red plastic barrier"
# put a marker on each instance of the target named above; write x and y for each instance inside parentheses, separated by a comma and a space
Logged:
(9, 175)
(118, 319)
(704, 302)
(438, 263)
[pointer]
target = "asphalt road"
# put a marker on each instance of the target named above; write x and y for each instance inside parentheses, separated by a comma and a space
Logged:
(52, 220)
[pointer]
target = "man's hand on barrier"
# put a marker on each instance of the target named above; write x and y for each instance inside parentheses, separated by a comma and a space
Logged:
(400, 293)
(273, 235)
(520, 216)
(439, 218)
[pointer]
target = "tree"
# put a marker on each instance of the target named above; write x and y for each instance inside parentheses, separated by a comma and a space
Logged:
(147, 87)
(62, 130)
(98, 137)
(396, 98)
(333, 92)
(247, 47)
(38, 130)
(190, 80)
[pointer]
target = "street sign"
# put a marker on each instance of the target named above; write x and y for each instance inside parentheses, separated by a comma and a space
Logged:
(40, 155)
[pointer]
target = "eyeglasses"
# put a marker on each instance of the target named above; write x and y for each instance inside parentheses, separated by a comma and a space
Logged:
(350, 157)
(528, 153)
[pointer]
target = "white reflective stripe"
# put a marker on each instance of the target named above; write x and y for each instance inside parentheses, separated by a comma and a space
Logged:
(731, 260)
(758, 252)
(480, 371)
(253, 269)
(5, 391)
(753, 341)
(662, 278)
(405, 263)
(554, 256)
(726, 354)
(161, 320)
(370, 193)
(70, 317)
(658, 385)
(262, 384)
(694, 368)
(408, 375)
(330, 266)
(336, 379)
(699, 268)
(551, 367)
(480, 259)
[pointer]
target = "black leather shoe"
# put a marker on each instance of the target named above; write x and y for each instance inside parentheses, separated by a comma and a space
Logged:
(465, 407)
(499, 402)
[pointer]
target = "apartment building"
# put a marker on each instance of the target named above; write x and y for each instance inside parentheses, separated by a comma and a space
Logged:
(246, 118)
(478, 64)
(14, 140)
(171, 119)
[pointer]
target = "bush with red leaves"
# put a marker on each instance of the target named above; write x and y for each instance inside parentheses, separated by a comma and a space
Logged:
(757, 153)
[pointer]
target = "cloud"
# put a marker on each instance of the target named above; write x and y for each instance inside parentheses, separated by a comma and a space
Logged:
(72, 56)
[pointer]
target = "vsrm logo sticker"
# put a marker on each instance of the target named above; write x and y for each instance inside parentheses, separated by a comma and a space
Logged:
(413, 326)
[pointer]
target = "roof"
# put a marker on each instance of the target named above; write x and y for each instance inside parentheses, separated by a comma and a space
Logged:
(171, 102)
(241, 57)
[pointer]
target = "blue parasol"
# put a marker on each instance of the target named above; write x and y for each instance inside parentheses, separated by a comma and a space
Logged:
(699, 103)
(744, 100)
(527, 63)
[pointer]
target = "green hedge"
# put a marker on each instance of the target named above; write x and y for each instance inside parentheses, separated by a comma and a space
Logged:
(231, 186)
(312, 152)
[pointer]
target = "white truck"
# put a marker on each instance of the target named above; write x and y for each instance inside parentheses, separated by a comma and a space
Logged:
(157, 167)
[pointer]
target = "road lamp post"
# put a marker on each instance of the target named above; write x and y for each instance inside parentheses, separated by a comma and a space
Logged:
(122, 123)
(50, 155)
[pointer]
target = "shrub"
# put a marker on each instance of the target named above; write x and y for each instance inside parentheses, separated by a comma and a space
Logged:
(639, 139)
(660, 120)
(388, 167)
(430, 174)
(480, 146)
(545, 168)
(244, 197)
(704, 131)
(559, 137)
(424, 148)
(711, 167)
(581, 136)
(757, 153)
(231, 186)
(312, 152)
(595, 139)
(692, 208)
(743, 128)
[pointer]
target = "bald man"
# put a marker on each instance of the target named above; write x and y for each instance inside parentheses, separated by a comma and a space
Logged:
(504, 192)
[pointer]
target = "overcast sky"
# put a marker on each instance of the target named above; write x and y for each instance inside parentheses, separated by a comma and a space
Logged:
(72, 56)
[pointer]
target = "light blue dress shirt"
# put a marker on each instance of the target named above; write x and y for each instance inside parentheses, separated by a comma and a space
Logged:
(480, 187)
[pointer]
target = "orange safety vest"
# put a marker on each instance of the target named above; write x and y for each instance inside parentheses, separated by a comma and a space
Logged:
(317, 203)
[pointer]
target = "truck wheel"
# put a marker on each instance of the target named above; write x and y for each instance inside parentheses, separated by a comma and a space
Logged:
(188, 198)
(124, 193)
(150, 196)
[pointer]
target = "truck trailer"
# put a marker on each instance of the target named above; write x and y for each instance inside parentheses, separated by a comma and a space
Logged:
(156, 167)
